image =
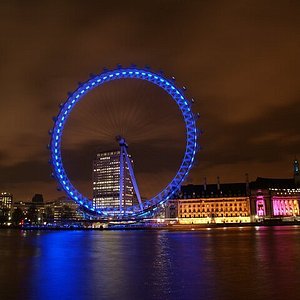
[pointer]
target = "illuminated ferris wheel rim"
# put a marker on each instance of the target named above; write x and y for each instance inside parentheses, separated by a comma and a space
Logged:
(185, 106)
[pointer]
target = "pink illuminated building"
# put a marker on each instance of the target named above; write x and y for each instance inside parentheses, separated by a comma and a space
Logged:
(276, 197)
(260, 206)
(285, 206)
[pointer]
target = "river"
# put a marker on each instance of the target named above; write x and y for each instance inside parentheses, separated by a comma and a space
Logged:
(222, 263)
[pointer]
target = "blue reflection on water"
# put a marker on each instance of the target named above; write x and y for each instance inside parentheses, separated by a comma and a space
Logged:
(117, 265)
(61, 271)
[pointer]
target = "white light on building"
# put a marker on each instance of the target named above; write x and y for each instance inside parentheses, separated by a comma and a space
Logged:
(106, 181)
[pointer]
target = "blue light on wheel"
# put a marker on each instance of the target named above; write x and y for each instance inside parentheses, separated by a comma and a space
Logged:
(177, 95)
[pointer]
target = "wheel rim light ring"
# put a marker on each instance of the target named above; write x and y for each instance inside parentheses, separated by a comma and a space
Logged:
(191, 139)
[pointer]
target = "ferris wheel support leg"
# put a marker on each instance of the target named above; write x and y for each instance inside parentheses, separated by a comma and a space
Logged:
(121, 179)
(135, 186)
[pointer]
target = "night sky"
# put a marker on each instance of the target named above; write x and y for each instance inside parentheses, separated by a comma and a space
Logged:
(239, 60)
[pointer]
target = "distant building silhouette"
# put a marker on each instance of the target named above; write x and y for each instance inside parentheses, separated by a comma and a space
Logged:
(38, 198)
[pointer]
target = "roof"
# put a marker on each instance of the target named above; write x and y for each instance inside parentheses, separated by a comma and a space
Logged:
(279, 183)
(212, 191)
(239, 189)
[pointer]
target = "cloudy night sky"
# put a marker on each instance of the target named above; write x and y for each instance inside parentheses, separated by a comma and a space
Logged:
(238, 59)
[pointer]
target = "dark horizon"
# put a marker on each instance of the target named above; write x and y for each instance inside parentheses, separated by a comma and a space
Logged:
(239, 61)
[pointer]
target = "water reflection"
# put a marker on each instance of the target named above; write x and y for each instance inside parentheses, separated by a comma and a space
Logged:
(218, 264)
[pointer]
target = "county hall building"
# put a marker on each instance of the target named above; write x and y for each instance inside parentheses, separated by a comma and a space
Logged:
(260, 200)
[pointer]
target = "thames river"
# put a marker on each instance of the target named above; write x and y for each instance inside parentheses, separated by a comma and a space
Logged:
(224, 263)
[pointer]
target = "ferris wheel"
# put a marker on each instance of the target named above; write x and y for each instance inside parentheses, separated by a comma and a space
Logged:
(147, 207)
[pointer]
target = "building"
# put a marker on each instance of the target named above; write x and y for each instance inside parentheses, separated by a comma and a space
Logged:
(106, 181)
(38, 212)
(276, 198)
(261, 200)
(6, 201)
(38, 198)
(6, 206)
(31, 212)
(64, 210)
(211, 203)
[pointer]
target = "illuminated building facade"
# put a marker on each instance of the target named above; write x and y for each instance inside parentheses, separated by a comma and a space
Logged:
(38, 212)
(285, 206)
(213, 203)
(106, 181)
(261, 200)
(6, 201)
(64, 209)
(275, 198)
(214, 210)
(6, 204)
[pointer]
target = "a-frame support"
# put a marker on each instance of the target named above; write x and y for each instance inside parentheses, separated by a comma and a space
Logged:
(125, 160)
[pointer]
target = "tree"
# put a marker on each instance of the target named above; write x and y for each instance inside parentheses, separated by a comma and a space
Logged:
(67, 213)
(49, 215)
(17, 216)
(4, 213)
(32, 214)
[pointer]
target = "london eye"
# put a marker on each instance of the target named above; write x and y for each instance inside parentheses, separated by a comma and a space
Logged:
(143, 208)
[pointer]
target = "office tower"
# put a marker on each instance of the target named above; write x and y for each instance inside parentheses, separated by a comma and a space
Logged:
(106, 181)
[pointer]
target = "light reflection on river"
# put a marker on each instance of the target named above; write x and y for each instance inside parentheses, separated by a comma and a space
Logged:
(229, 263)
